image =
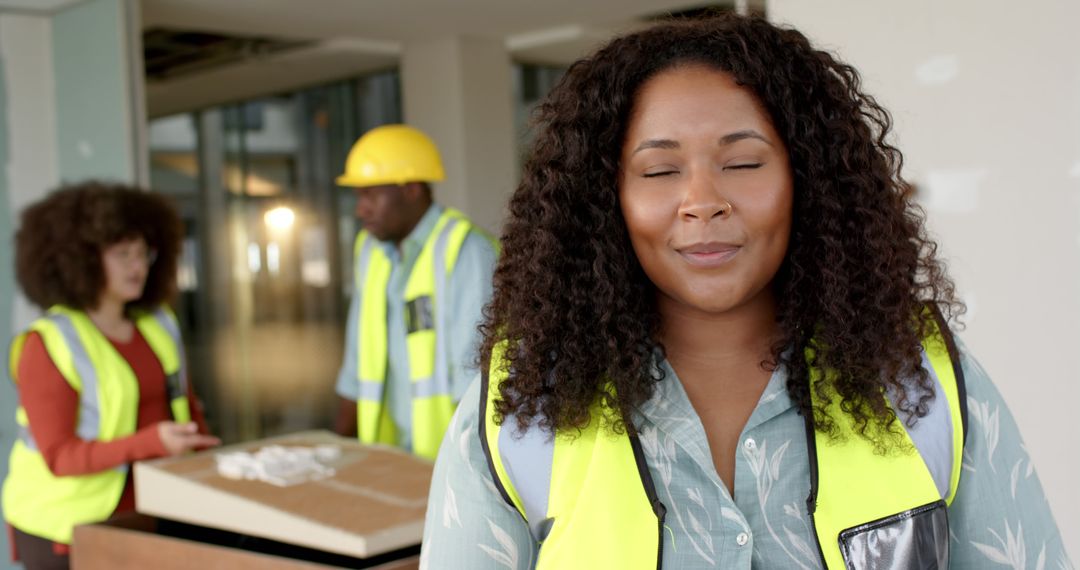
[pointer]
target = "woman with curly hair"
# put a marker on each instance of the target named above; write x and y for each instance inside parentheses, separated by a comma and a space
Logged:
(719, 337)
(100, 378)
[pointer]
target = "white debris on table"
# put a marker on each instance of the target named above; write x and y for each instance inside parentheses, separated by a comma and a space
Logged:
(279, 465)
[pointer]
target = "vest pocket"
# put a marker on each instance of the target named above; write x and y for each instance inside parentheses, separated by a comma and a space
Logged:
(419, 315)
(914, 539)
(173, 387)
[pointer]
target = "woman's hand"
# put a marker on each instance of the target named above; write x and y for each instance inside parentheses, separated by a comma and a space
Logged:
(182, 438)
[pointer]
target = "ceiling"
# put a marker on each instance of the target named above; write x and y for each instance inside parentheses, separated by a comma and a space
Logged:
(311, 65)
(342, 38)
(35, 6)
(397, 20)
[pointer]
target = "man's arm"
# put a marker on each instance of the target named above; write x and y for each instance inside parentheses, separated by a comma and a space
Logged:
(470, 290)
(348, 382)
(345, 422)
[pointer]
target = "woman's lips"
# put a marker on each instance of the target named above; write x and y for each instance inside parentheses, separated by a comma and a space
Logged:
(710, 254)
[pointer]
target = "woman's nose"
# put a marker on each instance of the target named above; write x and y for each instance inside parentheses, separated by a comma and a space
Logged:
(703, 199)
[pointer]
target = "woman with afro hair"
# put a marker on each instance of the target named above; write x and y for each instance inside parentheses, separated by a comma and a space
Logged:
(100, 377)
(719, 337)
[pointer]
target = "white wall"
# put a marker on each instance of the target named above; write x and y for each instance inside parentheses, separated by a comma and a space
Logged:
(986, 97)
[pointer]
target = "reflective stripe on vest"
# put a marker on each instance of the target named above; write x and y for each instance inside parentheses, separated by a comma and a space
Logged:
(589, 498)
(429, 369)
(40, 503)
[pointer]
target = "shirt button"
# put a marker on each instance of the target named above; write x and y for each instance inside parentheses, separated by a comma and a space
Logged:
(750, 444)
(742, 539)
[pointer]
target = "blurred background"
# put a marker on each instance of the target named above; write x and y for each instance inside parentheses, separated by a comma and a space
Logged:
(243, 112)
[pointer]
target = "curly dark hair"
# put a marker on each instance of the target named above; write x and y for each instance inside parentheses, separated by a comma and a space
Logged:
(60, 240)
(856, 284)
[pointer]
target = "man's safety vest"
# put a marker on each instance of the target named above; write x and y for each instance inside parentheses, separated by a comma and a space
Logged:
(589, 499)
(42, 504)
(426, 329)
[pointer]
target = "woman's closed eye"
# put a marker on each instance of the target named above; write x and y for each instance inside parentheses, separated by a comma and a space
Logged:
(659, 173)
(744, 166)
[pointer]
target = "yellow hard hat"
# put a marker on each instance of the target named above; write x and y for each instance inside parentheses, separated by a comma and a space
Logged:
(392, 154)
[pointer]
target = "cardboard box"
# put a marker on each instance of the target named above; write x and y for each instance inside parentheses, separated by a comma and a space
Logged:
(373, 506)
(137, 542)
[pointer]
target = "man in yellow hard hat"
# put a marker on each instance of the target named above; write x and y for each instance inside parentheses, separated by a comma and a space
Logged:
(422, 276)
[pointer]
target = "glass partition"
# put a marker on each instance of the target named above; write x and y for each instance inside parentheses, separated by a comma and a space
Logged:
(265, 273)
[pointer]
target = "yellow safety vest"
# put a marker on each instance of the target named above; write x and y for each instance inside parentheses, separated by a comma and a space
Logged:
(42, 504)
(589, 500)
(429, 368)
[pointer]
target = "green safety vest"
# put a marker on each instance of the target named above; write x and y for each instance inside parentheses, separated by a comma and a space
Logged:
(589, 500)
(42, 504)
(429, 368)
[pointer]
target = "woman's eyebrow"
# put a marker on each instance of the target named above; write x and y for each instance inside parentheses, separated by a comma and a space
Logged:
(657, 143)
(725, 140)
(743, 134)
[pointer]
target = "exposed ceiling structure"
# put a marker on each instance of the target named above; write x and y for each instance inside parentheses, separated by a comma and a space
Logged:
(255, 47)
(169, 53)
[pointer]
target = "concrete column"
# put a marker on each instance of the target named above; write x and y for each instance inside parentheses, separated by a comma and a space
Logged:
(458, 90)
(27, 170)
(100, 108)
(70, 108)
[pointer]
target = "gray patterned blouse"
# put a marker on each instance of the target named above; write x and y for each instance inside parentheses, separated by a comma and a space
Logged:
(999, 519)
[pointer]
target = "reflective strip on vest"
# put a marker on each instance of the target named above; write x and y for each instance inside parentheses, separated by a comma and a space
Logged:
(527, 460)
(40, 503)
(440, 378)
(89, 424)
(428, 362)
(563, 486)
(429, 366)
(169, 348)
(926, 435)
(23, 434)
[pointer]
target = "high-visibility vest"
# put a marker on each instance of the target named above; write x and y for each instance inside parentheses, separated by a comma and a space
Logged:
(42, 504)
(588, 496)
(426, 329)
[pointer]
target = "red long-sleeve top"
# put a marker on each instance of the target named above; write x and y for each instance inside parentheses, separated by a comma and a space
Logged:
(52, 406)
